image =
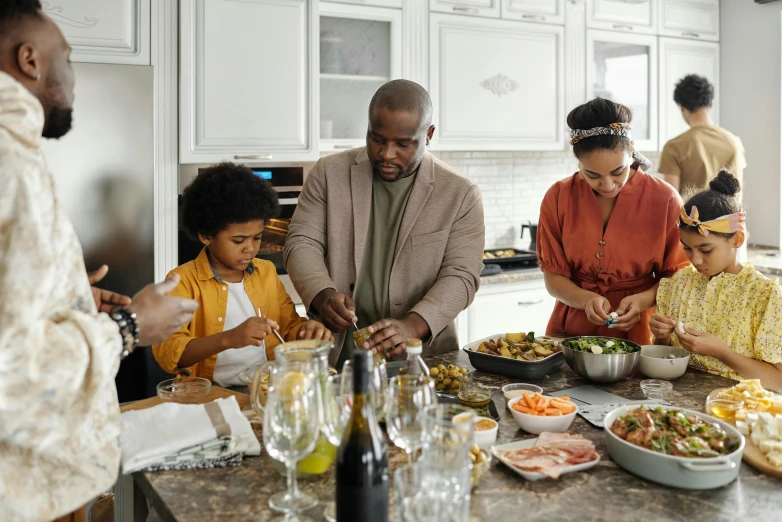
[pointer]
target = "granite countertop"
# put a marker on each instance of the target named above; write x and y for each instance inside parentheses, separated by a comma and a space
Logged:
(605, 492)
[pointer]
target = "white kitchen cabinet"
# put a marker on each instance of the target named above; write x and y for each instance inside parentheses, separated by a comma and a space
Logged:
(695, 19)
(104, 31)
(542, 11)
(248, 80)
(509, 307)
(620, 16)
(623, 68)
(360, 50)
(496, 84)
(487, 8)
(395, 4)
(679, 58)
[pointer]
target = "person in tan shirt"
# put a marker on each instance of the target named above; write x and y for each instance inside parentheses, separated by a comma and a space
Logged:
(690, 160)
(386, 236)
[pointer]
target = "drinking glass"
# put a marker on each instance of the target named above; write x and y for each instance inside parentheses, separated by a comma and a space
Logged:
(471, 394)
(290, 430)
(407, 397)
(414, 502)
(378, 384)
(337, 406)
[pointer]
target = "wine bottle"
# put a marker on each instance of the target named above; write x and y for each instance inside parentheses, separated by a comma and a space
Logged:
(362, 460)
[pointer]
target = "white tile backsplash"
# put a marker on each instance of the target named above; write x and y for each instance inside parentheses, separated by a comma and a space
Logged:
(513, 185)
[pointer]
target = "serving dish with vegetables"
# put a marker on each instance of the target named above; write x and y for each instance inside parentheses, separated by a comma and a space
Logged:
(521, 355)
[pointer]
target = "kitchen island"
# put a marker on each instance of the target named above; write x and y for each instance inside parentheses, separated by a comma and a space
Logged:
(606, 492)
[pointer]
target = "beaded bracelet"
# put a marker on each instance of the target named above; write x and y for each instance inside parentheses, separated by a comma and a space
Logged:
(128, 329)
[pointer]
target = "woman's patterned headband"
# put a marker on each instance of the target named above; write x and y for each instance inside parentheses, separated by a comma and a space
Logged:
(722, 225)
(613, 129)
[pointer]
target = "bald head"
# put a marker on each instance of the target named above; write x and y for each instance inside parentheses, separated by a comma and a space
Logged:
(406, 96)
(33, 51)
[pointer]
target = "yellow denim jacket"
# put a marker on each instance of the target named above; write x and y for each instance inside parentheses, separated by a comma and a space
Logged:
(199, 282)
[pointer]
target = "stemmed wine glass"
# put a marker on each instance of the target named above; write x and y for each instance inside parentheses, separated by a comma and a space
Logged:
(336, 414)
(290, 430)
(377, 386)
(407, 397)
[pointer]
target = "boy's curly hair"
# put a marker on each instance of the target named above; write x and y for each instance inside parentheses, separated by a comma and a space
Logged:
(224, 194)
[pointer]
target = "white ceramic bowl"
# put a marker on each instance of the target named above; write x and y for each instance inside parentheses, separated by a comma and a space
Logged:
(655, 363)
(485, 439)
(537, 424)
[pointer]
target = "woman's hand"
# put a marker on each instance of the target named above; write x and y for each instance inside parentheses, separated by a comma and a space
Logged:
(629, 312)
(701, 343)
(597, 309)
(662, 327)
(314, 330)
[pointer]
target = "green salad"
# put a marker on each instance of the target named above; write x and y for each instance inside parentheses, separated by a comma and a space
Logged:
(601, 345)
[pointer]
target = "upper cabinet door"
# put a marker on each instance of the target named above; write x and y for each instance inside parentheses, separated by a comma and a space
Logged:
(496, 85)
(618, 16)
(695, 19)
(104, 31)
(487, 8)
(360, 50)
(248, 80)
(542, 11)
(678, 58)
(623, 68)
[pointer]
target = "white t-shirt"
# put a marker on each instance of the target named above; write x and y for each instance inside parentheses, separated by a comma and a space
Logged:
(230, 363)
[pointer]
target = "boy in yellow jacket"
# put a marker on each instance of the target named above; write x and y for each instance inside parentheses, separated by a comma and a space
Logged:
(226, 208)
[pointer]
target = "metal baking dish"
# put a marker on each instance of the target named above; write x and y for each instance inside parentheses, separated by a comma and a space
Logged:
(679, 472)
(529, 370)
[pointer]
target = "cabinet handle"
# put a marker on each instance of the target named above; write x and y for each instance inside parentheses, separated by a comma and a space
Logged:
(621, 26)
(254, 157)
(346, 146)
(693, 35)
(530, 303)
(470, 10)
(534, 17)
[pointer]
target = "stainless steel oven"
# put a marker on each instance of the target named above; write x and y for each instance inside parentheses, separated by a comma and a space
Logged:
(287, 182)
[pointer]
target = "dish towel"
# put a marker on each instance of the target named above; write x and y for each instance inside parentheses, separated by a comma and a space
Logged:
(184, 436)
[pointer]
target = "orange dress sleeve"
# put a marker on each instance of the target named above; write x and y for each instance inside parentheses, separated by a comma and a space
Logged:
(550, 250)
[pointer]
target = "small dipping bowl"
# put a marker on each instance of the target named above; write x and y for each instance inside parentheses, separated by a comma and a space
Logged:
(485, 432)
(723, 407)
(656, 390)
(184, 390)
(511, 391)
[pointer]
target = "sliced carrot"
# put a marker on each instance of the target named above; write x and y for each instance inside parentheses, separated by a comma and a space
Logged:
(529, 400)
(553, 411)
(518, 407)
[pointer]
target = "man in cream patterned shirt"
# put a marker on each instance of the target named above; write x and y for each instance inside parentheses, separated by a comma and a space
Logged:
(59, 415)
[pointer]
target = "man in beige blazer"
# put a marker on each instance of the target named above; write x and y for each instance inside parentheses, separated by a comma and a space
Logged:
(387, 236)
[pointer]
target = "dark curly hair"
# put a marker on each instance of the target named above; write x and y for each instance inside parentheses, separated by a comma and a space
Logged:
(693, 92)
(224, 194)
(13, 10)
(717, 201)
(599, 113)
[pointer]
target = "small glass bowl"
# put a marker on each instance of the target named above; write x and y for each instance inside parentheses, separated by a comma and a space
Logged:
(184, 390)
(656, 390)
(723, 407)
(522, 387)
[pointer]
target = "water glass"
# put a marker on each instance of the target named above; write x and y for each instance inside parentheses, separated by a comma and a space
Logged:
(377, 385)
(419, 498)
(290, 430)
(407, 397)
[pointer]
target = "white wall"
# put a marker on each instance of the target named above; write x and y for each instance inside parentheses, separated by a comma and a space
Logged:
(750, 106)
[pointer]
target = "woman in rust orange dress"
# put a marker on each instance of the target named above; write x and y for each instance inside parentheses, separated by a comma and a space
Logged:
(609, 233)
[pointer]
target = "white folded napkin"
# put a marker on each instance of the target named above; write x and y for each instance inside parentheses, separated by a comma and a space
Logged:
(171, 432)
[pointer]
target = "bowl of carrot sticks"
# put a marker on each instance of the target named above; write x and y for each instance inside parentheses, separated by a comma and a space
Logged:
(536, 413)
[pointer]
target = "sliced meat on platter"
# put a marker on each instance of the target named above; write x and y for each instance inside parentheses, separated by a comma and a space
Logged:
(552, 454)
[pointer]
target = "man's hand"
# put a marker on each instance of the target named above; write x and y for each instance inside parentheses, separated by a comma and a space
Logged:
(391, 335)
(314, 330)
(336, 310)
(105, 300)
(158, 314)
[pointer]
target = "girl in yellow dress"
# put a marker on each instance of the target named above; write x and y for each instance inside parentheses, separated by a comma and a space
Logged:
(730, 313)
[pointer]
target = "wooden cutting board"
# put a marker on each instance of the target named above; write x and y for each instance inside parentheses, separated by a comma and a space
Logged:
(216, 393)
(755, 458)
